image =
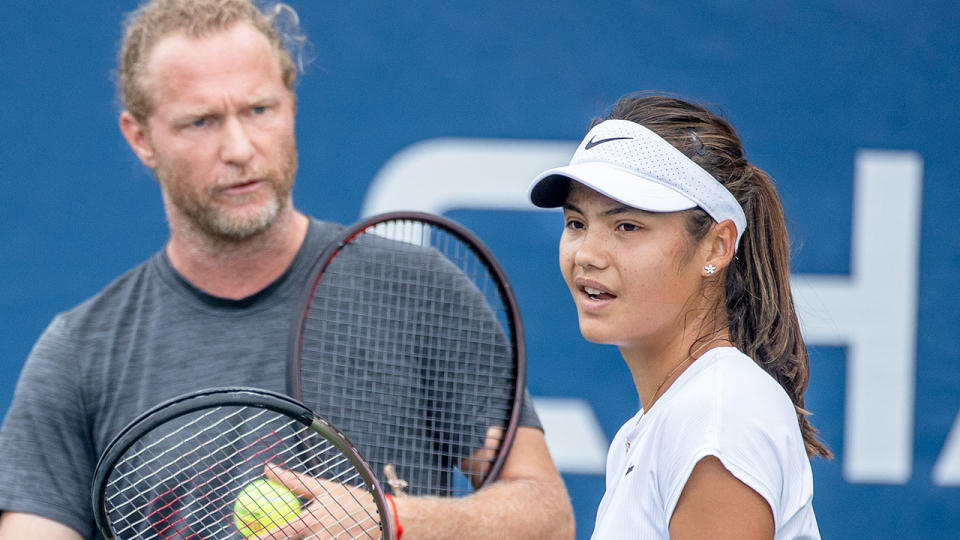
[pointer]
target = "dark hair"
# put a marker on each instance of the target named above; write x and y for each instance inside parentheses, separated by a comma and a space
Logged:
(760, 315)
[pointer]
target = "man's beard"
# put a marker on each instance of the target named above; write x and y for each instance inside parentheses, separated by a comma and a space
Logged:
(221, 221)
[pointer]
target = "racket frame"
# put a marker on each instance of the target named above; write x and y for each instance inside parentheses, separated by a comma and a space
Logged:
(518, 345)
(220, 397)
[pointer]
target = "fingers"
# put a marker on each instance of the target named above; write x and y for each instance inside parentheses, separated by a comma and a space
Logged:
(332, 508)
(302, 485)
(478, 464)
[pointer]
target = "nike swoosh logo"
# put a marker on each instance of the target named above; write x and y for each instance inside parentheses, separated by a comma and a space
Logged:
(591, 143)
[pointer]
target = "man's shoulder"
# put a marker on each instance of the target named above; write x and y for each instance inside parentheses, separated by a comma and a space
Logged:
(128, 289)
(150, 281)
(322, 229)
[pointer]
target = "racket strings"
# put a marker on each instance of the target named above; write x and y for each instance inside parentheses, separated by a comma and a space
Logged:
(404, 347)
(148, 470)
(182, 479)
(204, 466)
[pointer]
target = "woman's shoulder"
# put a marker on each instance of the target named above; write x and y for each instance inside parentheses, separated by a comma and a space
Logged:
(730, 408)
(736, 384)
(725, 401)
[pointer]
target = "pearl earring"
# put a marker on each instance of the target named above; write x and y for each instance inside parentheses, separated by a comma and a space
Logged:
(710, 269)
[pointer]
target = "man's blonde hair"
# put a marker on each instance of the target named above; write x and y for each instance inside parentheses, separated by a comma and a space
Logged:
(157, 19)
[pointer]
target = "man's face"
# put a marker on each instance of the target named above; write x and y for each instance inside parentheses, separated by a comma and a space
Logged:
(220, 137)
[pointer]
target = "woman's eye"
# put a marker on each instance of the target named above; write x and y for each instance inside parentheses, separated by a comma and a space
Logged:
(628, 227)
(574, 224)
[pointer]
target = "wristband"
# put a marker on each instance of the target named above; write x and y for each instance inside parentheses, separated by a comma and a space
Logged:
(396, 518)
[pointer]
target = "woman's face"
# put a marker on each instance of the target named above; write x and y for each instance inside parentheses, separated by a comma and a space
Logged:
(633, 274)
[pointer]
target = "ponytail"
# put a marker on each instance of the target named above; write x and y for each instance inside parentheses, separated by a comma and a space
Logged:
(762, 320)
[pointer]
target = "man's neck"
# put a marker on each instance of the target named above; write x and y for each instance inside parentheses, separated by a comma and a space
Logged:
(236, 270)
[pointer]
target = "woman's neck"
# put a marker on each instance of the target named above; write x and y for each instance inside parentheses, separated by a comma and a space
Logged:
(655, 368)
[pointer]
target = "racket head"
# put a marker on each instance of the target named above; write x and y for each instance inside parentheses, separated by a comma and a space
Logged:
(178, 470)
(410, 328)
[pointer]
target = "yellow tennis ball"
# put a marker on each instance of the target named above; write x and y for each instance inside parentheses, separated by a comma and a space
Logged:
(263, 504)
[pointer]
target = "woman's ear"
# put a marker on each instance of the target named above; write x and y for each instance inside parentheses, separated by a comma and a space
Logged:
(720, 246)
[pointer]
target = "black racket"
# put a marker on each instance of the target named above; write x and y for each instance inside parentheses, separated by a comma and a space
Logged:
(235, 464)
(410, 341)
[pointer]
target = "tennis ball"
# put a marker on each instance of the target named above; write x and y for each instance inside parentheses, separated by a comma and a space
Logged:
(263, 504)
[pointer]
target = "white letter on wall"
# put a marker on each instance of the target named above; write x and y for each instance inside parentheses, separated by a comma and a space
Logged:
(873, 311)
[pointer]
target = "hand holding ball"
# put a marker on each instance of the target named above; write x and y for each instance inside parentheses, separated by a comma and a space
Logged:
(264, 504)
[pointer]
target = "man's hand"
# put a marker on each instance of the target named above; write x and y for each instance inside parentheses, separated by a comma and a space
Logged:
(528, 500)
(332, 510)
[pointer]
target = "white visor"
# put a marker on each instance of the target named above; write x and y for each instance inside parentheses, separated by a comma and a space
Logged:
(631, 164)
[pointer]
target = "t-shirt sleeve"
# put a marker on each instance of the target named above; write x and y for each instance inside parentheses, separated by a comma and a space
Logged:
(47, 455)
(528, 415)
(748, 440)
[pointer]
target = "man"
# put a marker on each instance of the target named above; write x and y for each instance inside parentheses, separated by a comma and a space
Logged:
(208, 91)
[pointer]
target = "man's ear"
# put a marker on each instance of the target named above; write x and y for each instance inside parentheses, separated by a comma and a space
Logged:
(722, 241)
(137, 137)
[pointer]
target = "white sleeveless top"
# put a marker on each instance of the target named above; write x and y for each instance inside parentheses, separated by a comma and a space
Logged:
(722, 405)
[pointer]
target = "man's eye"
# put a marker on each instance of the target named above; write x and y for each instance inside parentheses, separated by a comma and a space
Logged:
(259, 110)
(199, 122)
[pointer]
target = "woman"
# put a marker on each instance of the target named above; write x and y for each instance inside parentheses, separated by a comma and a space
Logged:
(675, 249)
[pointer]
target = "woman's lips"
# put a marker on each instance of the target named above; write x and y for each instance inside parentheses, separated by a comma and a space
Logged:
(594, 295)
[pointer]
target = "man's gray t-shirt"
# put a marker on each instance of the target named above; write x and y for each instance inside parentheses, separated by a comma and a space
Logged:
(148, 337)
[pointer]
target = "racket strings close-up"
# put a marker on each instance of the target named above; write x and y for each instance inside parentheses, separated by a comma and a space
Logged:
(405, 347)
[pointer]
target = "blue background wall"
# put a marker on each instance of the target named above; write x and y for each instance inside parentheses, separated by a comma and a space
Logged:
(808, 84)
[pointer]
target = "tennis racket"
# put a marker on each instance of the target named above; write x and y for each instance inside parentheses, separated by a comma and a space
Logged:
(235, 464)
(410, 341)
